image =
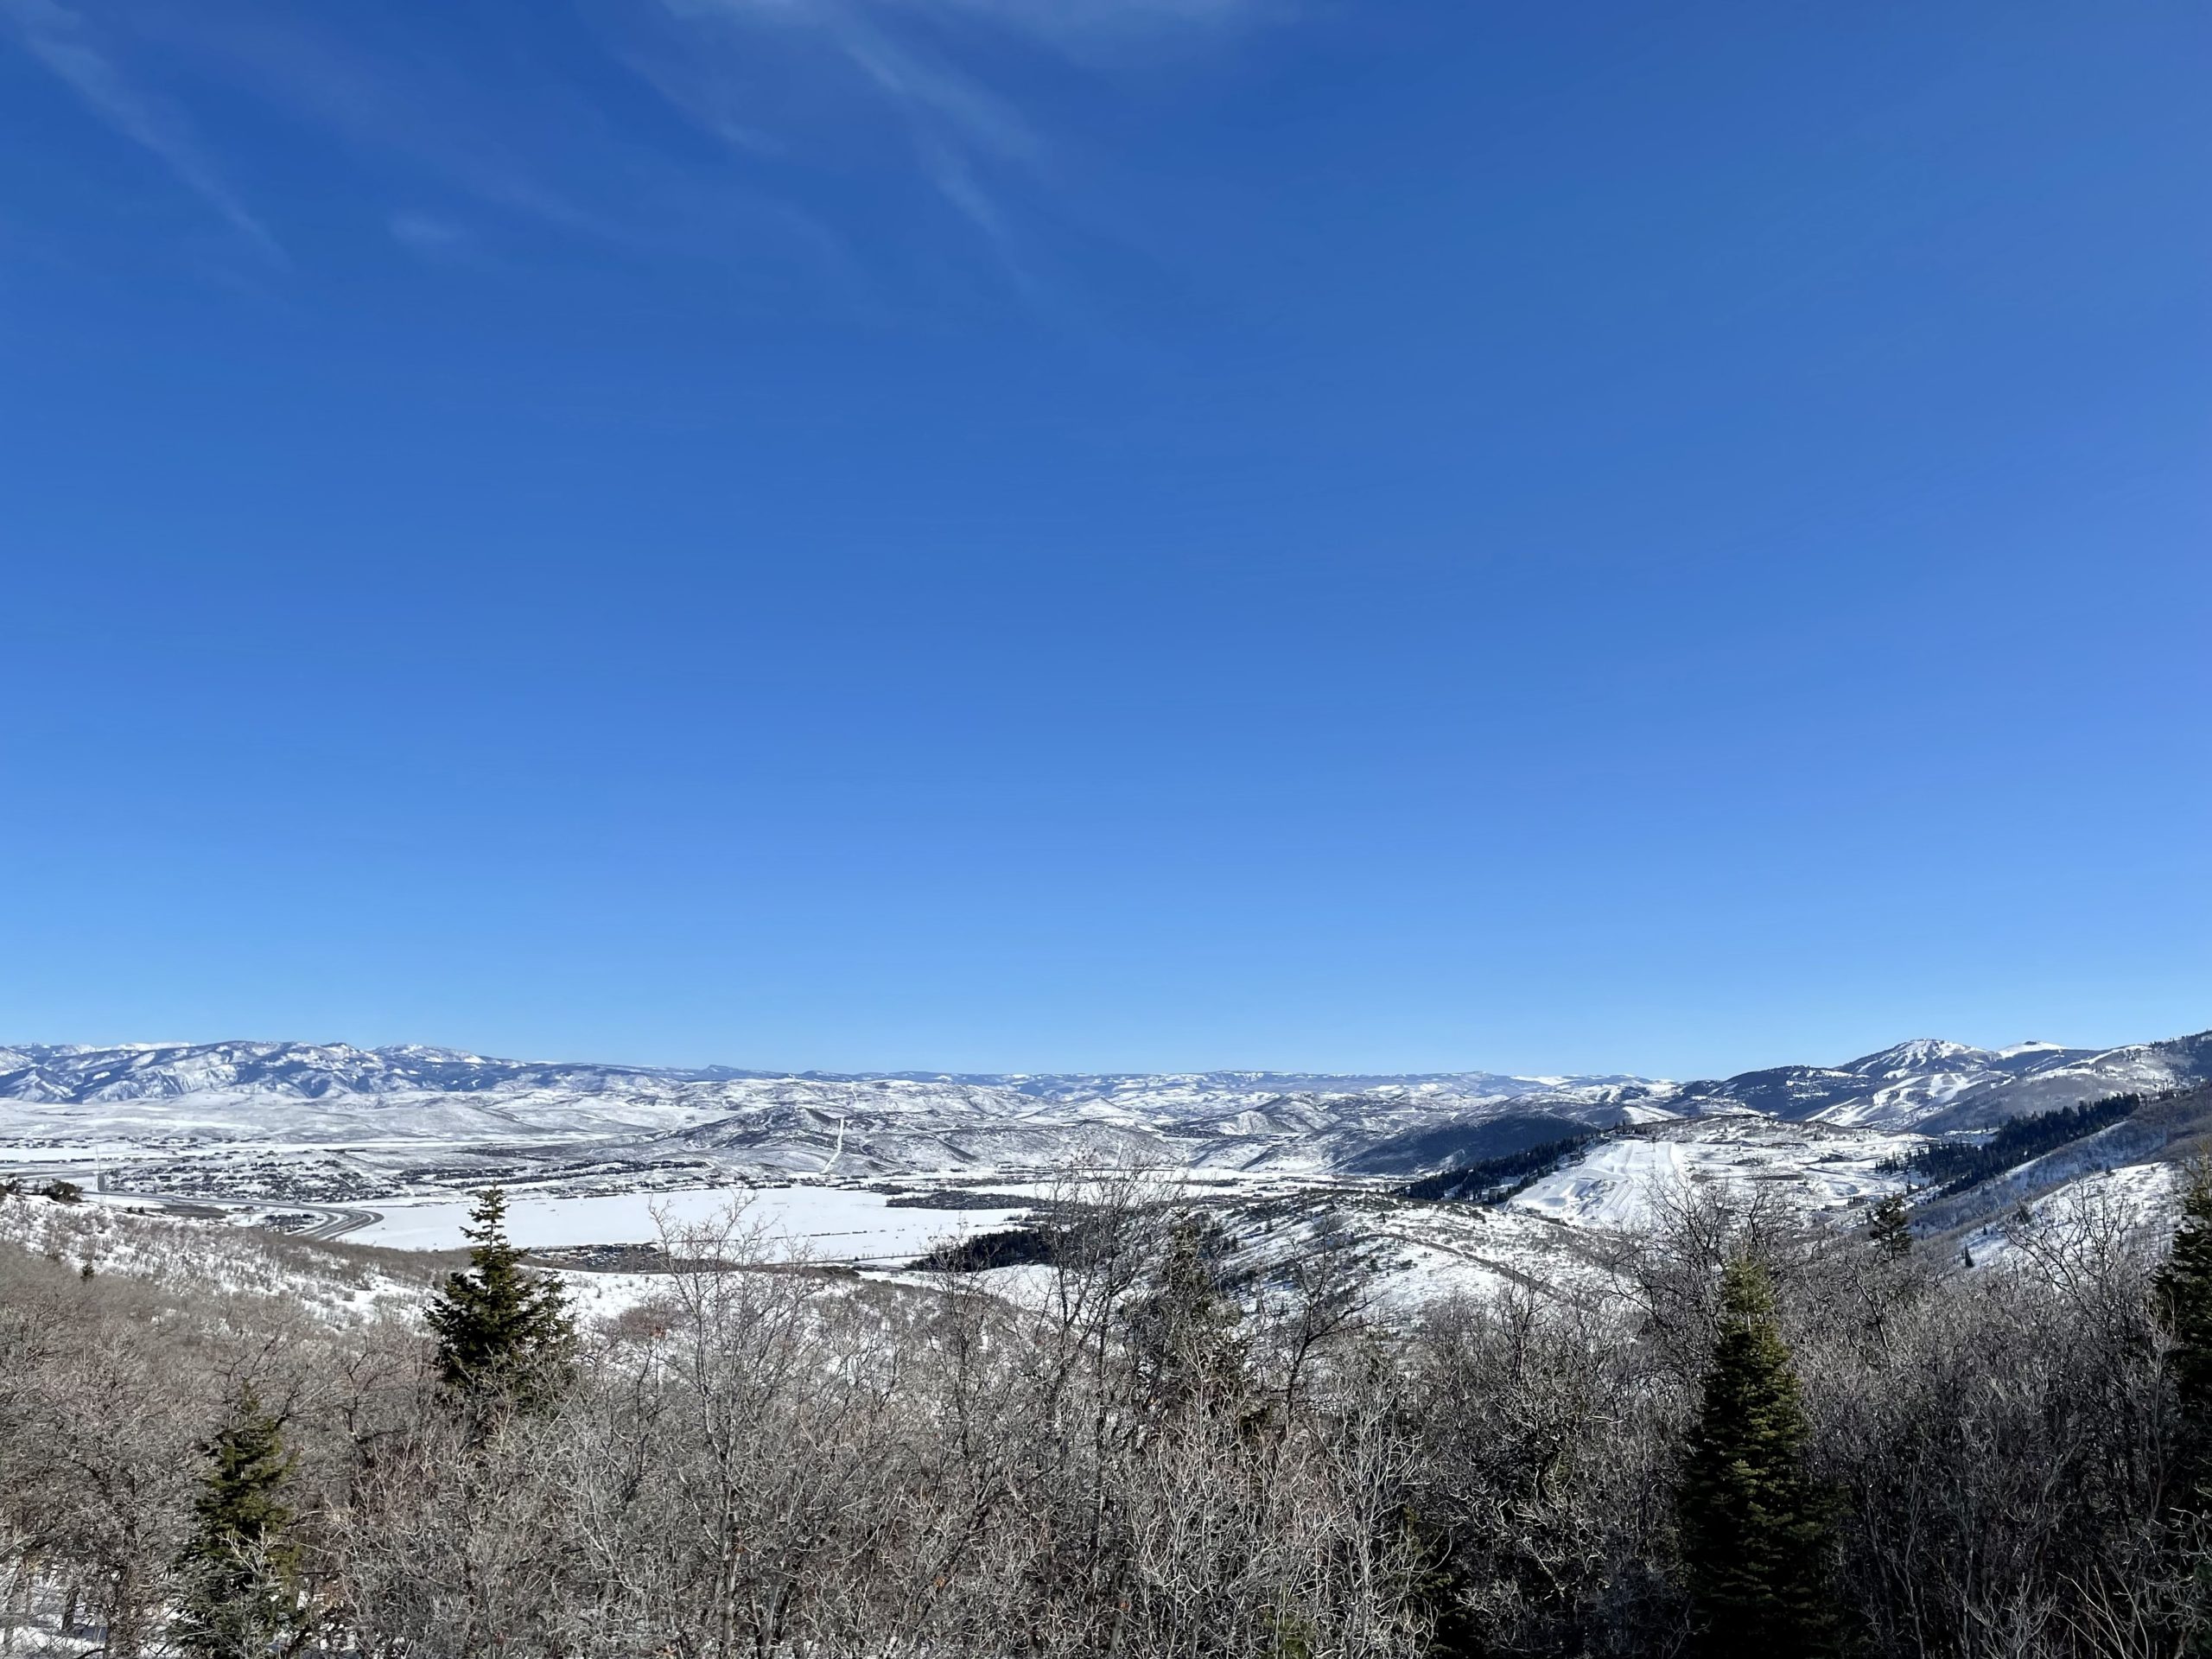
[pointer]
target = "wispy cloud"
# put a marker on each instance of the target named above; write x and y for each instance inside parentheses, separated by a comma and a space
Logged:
(939, 94)
(61, 39)
(1089, 28)
(384, 100)
(938, 70)
(820, 114)
(1081, 26)
(957, 127)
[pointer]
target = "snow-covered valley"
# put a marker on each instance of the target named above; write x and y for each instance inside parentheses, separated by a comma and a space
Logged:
(382, 1146)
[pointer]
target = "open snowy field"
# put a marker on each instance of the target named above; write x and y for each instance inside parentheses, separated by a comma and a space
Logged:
(2134, 1197)
(1625, 1185)
(820, 1224)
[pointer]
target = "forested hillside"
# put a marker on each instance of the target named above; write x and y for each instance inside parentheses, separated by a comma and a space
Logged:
(1955, 1166)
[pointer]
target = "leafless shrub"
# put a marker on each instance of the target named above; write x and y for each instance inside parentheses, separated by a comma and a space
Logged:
(1143, 1447)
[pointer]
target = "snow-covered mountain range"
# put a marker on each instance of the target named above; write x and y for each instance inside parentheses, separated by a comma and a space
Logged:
(382, 1146)
(383, 1112)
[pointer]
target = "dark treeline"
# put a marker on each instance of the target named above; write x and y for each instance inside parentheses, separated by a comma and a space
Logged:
(1745, 1435)
(1953, 1166)
(1487, 1179)
(1002, 1246)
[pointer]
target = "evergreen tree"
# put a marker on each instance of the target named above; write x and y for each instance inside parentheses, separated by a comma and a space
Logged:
(1756, 1528)
(241, 1569)
(1184, 1327)
(504, 1332)
(2184, 1295)
(1889, 1232)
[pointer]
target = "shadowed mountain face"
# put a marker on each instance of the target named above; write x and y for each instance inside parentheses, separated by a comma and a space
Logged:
(1450, 1146)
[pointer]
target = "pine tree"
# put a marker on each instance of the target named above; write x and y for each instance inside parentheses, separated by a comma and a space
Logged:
(2182, 1291)
(1756, 1528)
(504, 1332)
(1185, 1328)
(241, 1569)
(1889, 1232)
(2184, 1297)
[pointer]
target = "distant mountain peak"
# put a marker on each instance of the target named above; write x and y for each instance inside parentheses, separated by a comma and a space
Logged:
(1914, 1054)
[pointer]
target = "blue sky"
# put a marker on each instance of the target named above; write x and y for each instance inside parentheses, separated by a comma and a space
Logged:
(1106, 533)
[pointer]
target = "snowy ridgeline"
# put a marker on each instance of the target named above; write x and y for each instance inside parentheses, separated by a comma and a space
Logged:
(331, 1123)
